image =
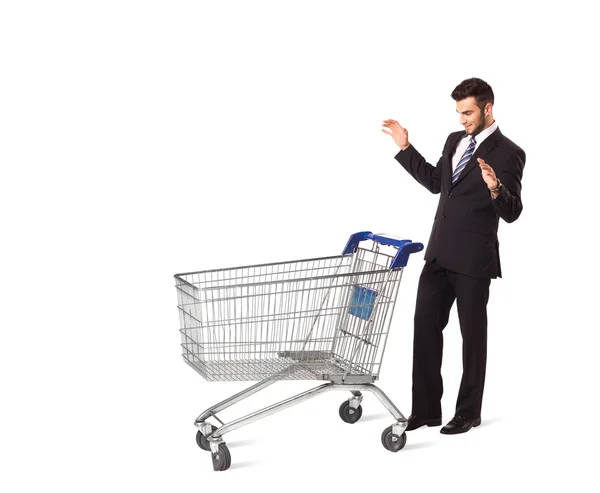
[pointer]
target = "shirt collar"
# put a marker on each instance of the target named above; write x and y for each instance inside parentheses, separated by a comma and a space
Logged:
(484, 134)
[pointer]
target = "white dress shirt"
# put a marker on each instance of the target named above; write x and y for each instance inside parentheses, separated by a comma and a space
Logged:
(464, 143)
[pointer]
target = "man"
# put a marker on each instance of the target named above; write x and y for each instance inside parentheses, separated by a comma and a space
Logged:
(462, 253)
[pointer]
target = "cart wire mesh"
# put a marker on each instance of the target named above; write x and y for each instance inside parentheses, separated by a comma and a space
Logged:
(315, 319)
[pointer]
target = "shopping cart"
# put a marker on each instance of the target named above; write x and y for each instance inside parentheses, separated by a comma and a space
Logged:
(317, 319)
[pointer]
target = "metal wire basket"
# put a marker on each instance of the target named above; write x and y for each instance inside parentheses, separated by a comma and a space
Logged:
(326, 318)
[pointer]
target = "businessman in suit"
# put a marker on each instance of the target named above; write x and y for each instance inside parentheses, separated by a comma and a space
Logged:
(478, 178)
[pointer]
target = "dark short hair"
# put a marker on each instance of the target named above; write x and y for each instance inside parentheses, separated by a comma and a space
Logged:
(477, 88)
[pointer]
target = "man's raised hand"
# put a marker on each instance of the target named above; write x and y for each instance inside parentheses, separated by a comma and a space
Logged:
(398, 133)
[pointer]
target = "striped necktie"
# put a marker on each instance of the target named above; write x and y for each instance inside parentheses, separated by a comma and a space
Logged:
(464, 160)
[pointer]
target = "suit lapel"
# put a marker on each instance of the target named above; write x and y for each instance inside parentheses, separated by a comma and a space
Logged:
(451, 149)
(486, 146)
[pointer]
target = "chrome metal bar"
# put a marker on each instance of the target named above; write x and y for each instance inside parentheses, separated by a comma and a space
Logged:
(297, 399)
(267, 411)
(385, 400)
(230, 401)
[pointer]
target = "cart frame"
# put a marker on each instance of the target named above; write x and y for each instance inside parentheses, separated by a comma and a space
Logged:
(315, 319)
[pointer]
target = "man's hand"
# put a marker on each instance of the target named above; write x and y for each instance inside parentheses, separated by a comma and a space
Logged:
(488, 175)
(398, 133)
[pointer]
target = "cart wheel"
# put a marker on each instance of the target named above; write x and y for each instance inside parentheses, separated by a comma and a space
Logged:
(393, 442)
(202, 441)
(348, 414)
(222, 458)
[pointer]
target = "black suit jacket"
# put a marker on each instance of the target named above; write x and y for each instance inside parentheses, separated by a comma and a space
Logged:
(464, 237)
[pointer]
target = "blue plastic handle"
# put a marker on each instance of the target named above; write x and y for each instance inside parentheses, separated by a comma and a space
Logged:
(405, 247)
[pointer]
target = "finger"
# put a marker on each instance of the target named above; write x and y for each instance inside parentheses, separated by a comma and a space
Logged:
(392, 122)
(480, 161)
(386, 131)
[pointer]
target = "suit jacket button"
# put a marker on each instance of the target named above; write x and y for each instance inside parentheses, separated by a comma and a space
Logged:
(449, 195)
(444, 215)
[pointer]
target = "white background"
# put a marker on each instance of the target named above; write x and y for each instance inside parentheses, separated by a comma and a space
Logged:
(142, 139)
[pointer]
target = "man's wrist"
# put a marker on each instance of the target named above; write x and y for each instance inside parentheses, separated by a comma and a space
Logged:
(497, 187)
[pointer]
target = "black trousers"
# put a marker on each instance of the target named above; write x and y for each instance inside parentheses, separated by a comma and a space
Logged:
(438, 289)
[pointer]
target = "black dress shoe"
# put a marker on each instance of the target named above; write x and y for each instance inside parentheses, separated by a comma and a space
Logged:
(460, 424)
(415, 422)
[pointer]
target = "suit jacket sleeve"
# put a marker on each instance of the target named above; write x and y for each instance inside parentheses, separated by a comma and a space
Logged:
(508, 204)
(426, 174)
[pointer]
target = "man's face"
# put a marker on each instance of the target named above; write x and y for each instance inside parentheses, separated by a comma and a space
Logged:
(471, 116)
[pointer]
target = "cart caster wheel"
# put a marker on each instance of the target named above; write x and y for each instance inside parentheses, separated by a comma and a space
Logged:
(202, 441)
(392, 442)
(348, 414)
(221, 459)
